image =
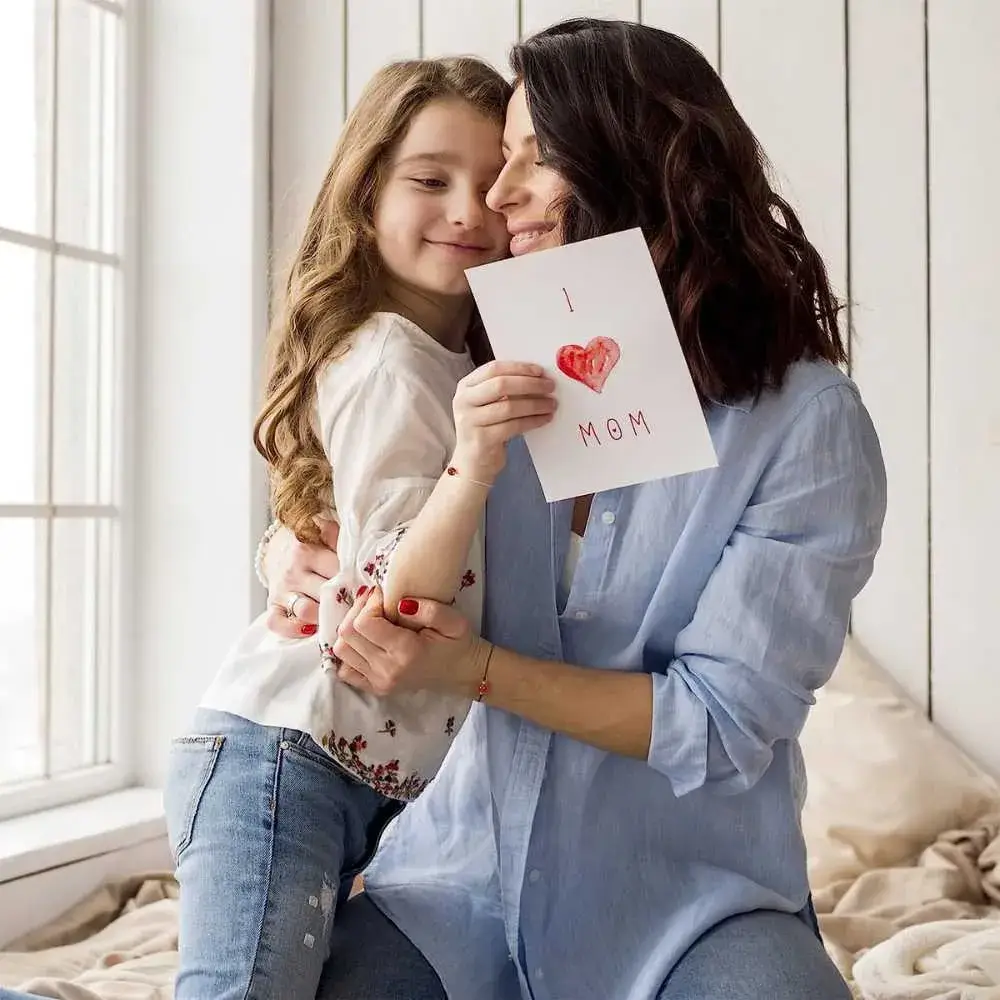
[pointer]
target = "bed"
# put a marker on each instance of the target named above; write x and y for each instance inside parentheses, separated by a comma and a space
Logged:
(904, 846)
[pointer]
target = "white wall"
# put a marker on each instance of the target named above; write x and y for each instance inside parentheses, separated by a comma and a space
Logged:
(889, 356)
(964, 360)
(199, 501)
(841, 94)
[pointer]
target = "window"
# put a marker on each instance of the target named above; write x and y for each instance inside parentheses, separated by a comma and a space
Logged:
(61, 404)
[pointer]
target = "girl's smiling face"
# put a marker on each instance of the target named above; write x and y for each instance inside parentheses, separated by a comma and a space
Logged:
(431, 218)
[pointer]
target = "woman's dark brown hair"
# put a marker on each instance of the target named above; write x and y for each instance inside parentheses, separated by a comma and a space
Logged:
(645, 134)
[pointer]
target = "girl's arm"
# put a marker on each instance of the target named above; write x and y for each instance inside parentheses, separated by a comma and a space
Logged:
(492, 404)
(388, 436)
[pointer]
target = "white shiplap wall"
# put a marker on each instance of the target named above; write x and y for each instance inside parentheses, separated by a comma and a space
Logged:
(964, 364)
(882, 121)
(889, 358)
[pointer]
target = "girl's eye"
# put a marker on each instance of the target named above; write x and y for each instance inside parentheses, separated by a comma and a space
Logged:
(432, 183)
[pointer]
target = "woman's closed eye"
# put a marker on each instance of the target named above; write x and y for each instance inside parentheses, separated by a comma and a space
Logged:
(430, 183)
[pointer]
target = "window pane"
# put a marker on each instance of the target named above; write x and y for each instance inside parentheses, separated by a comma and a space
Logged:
(24, 298)
(82, 590)
(84, 381)
(87, 130)
(22, 597)
(26, 115)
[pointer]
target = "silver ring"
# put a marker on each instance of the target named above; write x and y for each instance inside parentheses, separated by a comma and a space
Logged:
(290, 607)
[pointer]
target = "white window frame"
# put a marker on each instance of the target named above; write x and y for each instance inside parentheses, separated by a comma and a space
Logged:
(114, 740)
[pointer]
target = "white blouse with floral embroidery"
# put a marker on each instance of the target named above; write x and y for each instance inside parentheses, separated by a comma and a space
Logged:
(383, 412)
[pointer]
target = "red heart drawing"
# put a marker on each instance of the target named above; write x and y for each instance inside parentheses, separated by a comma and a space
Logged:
(590, 365)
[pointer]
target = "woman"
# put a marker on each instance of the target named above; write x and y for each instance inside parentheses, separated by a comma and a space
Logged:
(619, 817)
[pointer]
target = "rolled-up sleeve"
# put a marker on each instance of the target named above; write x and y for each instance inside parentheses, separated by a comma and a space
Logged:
(771, 621)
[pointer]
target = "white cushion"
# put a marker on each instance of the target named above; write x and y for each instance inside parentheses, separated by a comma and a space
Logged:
(883, 781)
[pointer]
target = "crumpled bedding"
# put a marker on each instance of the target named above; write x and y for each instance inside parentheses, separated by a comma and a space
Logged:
(942, 960)
(868, 922)
(903, 831)
(119, 943)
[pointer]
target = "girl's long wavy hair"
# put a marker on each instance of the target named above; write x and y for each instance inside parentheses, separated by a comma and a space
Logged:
(645, 134)
(335, 281)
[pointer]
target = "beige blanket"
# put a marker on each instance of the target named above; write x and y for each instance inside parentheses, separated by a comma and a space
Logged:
(956, 878)
(120, 943)
(942, 960)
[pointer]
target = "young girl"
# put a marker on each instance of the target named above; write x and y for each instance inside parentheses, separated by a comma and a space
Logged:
(279, 796)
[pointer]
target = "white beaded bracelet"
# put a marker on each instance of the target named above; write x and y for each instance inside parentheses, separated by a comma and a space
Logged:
(258, 559)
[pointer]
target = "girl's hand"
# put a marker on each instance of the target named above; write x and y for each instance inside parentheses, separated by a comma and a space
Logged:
(493, 404)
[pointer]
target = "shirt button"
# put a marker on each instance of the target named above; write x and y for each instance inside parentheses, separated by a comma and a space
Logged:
(581, 616)
(534, 875)
(608, 517)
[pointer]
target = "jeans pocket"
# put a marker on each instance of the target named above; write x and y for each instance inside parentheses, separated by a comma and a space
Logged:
(305, 747)
(192, 761)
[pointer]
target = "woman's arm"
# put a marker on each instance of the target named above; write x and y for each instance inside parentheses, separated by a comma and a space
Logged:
(766, 633)
(492, 404)
(289, 569)
(608, 709)
(438, 651)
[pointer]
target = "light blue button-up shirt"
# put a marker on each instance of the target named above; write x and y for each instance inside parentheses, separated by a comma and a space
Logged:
(539, 867)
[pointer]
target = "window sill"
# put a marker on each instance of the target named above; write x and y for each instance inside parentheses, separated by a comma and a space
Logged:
(53, 837)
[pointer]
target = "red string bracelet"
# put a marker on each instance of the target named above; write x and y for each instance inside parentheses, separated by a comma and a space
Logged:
(452, 471)
(484, 685)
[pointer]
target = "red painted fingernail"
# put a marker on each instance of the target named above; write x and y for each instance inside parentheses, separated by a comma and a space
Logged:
(408, 606)
(362, 590)
(308, 629)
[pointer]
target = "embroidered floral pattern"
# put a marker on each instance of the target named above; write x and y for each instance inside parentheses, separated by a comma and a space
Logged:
(387, 767)
(378, 567)
(330, 659)
(383, 777)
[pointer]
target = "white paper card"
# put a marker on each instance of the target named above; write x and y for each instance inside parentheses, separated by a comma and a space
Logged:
(593, 315)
